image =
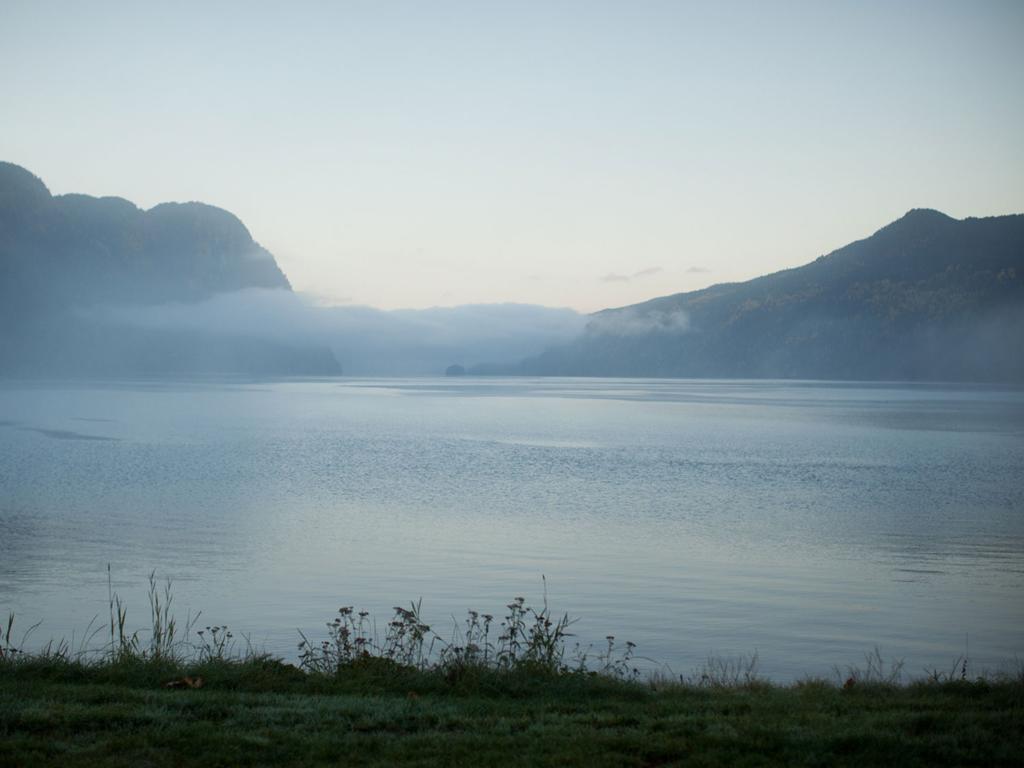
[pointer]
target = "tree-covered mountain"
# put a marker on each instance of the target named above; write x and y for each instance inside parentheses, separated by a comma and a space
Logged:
(64, 256)
(927, 297)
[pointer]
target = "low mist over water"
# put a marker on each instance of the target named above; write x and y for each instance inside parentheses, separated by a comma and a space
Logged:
(366, 341)
(808, 522)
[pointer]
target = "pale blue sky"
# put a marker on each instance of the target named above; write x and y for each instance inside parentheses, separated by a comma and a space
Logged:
(582, 154)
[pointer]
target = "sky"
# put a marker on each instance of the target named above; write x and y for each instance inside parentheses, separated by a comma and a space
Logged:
(570, 154)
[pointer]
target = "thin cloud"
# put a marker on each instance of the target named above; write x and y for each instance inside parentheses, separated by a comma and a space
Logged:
(614, 277)
(697, 270)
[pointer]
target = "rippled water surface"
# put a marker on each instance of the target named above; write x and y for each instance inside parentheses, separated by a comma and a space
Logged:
(808, 522)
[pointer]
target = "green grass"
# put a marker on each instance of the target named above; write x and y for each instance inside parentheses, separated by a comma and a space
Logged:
(265, 712)
(497, 691)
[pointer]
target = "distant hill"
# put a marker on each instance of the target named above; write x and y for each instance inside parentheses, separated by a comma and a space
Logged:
(927, 297)
(61, 256)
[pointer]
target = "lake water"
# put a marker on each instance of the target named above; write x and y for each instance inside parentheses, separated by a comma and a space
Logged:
(808, 522)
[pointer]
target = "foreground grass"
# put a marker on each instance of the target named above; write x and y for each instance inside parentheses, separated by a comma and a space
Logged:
(265, 712)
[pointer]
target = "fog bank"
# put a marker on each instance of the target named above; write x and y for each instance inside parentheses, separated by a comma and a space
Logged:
(367, 341)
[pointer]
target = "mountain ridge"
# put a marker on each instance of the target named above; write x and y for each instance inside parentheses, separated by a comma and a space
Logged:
(926, 296)
(61, 256)
(106, 249)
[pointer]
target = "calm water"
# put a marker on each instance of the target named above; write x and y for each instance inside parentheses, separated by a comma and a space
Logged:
(809, 522)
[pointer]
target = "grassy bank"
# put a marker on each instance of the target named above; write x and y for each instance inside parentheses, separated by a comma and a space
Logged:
(265, 712)
(500, 691)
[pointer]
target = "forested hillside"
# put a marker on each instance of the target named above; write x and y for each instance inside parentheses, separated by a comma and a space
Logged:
(927, 297)
(62, 257)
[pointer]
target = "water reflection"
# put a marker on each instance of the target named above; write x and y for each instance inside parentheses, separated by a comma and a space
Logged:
(807, 521)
